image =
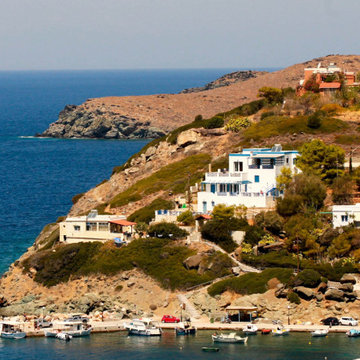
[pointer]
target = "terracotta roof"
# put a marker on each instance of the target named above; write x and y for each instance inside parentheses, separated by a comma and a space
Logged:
(204, 216)
(330, 85)
(122, 222)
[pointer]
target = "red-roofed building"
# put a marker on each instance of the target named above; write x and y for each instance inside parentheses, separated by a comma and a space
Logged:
(95, 227)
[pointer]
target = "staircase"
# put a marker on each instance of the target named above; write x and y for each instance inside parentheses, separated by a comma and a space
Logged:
(189, 306)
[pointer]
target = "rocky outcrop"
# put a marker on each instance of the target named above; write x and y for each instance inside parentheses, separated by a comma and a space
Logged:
(334, 294)
(304, 293)
(193, 262)
(348, 278)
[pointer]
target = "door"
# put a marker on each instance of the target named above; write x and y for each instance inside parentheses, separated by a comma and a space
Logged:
(204, 207)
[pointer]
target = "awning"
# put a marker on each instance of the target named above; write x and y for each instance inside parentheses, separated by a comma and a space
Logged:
(203, 216)
(269, 156)
(122, 222)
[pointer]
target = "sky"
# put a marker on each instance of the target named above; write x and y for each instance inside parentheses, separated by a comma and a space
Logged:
(141, 34)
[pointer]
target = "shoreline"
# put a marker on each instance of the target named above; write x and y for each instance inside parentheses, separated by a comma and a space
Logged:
(118, 326)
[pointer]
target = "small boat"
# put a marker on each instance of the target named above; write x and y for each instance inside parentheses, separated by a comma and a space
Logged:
(63, 336)
(280, 331)
(73, 328)
(210, 349)
(143, 327)
(229, 338)
(250, 329)
(11, 330)
(320, 333)
(353, 333)
(265, 331)
(185, 329)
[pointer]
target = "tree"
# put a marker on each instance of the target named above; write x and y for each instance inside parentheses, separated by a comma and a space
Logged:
(312, 85)
(325, 161)
(343, 189)
(272, 95)
(340, 246)
(283, 181)
(314, 120)
(141, 228)
(166, 231)
(223, 212)
(219, 232)
(186, 218)
(214, 122)
(270, 220)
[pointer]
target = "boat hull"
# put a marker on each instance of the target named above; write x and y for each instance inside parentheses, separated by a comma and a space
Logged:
(185, 331)
(236, 340)
(134, 332)
(73, 333)
(16, 336)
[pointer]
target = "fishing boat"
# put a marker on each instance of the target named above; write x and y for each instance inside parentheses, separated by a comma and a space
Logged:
(265, 331)
(353, 333)
(280, 331)
(210, 349)
(250, 329)
(11, 330)
(185, 329)
(63, 336)
(74, 328)
(143, 327)
(320, 333)
(229, 338)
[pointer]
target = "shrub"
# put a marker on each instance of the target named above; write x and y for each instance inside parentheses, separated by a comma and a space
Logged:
(146, 214)
(347, 139)
(237, 124)
(214, 122)
(308, 278)
(272, 95)
(167, 231)
(314, 120)
(343, 189)
(289, 205)
(332, 109)
(186, 218)
(293, 298)
(219, 232)
(198, 118)
(254, 234)
(270, 220)
(118, 288)
(251, 283)
(266, 114)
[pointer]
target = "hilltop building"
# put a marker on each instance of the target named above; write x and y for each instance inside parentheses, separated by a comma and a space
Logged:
(95, 227)
(250, 179)
(327, 79)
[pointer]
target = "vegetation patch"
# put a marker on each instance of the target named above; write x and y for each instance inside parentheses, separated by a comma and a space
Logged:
(251, 283)
(347, 139)
(281, 125)
(161, 259)
(174, 177)
(146, 213)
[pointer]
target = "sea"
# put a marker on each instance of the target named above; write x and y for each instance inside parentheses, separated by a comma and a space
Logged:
(114, 346)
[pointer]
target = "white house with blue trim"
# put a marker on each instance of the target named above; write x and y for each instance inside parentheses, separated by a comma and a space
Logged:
(250, 179)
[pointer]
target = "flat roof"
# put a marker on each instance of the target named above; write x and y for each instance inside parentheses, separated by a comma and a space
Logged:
(122, 222)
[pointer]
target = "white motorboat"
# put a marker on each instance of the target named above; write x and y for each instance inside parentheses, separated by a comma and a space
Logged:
(63, 336)
(143, 327)
(74, 328)
(280, 331)
(250, 329)
(320, 333)
(229, 338)
(11, 330)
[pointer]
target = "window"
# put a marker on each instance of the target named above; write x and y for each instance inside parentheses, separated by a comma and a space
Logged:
(257, 178)
(294, 161)
(287, 160)
(344, 218)
(77, 227)
(213, 203)
(103, 226)
(222, 188)
(213, 188)
(238, 166)
(91, 226)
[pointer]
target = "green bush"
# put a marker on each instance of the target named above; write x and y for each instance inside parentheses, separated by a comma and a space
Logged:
(254, 234)
(293, 298)
(198, 118)
(347, 139)
(186, 218)
(266, 114)
(251, 283)
(308, 278)
(118, 288)
(147, 213)
(237, 124)
(315, 120)
(214, 122)
(271, 221)
(219, 232)
(166, 230)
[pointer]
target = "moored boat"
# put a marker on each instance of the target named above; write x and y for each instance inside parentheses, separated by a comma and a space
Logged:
(185, 329)
(280, 331)
(143, 327)
(63, 336)
(11, 330)
(320, 333)
(74, 328)
(353, 333)
(209, 349)
(265, 331)
(229, 338)
(250, 329)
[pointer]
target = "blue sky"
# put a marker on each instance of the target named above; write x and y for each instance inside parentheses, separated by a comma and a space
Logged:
(131, 34)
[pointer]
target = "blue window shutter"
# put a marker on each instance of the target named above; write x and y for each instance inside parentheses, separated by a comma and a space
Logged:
(228, 188)
(257, 178)
(213, 188)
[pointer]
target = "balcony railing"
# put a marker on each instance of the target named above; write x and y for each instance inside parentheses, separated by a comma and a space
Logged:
(221, 174)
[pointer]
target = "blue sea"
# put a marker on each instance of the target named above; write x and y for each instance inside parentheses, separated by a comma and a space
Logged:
(114, 346)
(39, 177)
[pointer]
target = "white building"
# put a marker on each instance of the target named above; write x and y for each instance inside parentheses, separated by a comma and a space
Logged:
(250, 179)
(343, 215)
(95, 227)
